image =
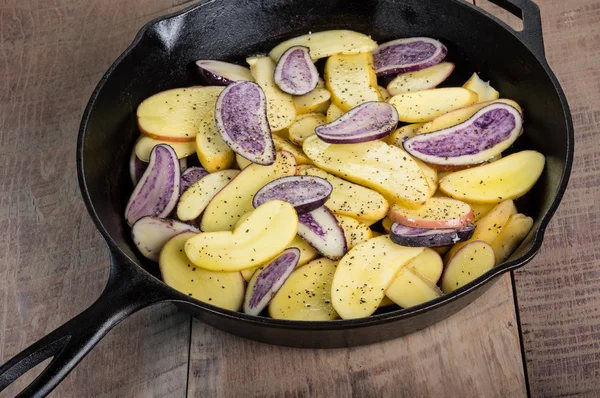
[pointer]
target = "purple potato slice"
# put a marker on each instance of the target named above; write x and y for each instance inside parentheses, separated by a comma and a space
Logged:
(408, 55)
(305, 193)
(190, 176)
(486, 134)
(367, 122)
(157, 192)
(241, 116)
(424, 237)
(296, 73)
(218, 73)
(266, 282)
(151, 233)
(320, 229)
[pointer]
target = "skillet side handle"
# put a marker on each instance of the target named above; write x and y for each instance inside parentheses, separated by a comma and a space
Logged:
(529, 12)
(129, 289)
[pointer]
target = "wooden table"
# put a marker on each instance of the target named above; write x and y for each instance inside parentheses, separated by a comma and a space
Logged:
(537, 331)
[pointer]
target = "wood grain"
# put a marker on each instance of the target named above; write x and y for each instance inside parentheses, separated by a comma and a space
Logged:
(559, 292)
(53, 262)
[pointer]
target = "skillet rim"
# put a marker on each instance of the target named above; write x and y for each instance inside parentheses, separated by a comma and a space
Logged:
(339, 324)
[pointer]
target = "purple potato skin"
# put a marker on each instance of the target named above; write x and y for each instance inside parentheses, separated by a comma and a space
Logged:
(421, 237)
(320, 229)
(190, 176)
(369, 121)
(305, 193)
(407, 55)
(296, 73)
(211, 77)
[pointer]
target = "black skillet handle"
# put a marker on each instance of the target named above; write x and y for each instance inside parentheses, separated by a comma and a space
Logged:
(129, 289)
(529, 12)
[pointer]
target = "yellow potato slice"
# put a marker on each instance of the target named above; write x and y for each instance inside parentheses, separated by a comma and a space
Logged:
(426, 105)
(174, 115)
(235, 199)
(306, 294)
(221, 289)
(349, 199)
(385, 95)
(214, 154)
(435, 213)
(333, 113)
(387, 169)
(410, 288)
(469, 263)
(508, 178)
(430, 174)
(481, 209)
(386, 302)
(283, 145)
(423, 79)
(351, 80)
(511, 236)
(354, 231)
(327, 43)
(304, 127)
(489, 226)
(241, 161)
(265, 233)
(281, 111)
(195, 199)
(317, 100)
(460, 115)
(429, 264)
(365, 272)
(403, 133)
(485, 91)
(386, 223)
(144, 146)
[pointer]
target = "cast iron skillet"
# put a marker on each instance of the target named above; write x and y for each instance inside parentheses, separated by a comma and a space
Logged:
(159, 58)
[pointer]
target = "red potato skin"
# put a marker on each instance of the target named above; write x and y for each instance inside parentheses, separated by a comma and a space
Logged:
(460, 222)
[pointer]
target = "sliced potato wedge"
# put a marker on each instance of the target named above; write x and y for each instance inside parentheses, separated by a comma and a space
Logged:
(430, 174)
(327, 43)
(214, 154)
(429, 264)
(385, 95)
(333, 112)
(349, 199)
(306, 295)
(426, 105)
(144, 146)
(410, 288)
(304, 127)
(264, 234)
(195, 199)
(508, 178)
(354, 231)
(423, 79)
(386, 223)
(282, 144)
(365, 272)
(481, 209)
(385, 168)
(403, 133)
(241, 161)
(221, 289)
(469, 263)
(317, 100)
(485, 91)
(516, 229)
(351, 80)
(435, 213)
(281, 111)
(174, 115)
(235, 199)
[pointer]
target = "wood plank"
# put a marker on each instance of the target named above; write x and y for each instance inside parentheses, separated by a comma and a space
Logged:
(559, 292)
(53, 262)
(474, 353)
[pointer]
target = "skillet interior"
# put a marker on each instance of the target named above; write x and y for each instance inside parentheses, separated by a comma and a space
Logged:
(162, 56)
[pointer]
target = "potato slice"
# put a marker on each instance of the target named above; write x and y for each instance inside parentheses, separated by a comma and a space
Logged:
(306, 295)
(460, 115)
(144, 146)
(430, 174)
(354, 231)
(511, 236)
(195, 199)
(435, 213)
(385, 95)
(387, 169)
(426, 105)
(349, 199)
(317, 100)
(386, 302)
(410, 288)
(333, 113)
(403, 133)
(365, 272)
(489, 226)
(469, 263)
(423, 79)
(283, 145)
(429, 264)
(281, 111)
(221, 289)
(386, 223)
(175, 115)
(241, 161)
(264, 234)
(508, 178)
(351, 80)
(485, 91)
(304, 127)
(214, 154)
(327, 43)
(235, 199)
(481, 209)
